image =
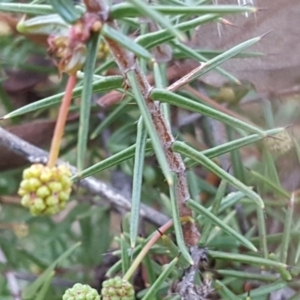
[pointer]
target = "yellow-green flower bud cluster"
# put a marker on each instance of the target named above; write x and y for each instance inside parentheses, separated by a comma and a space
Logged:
(81, 292)
(45, 190)
(117, 289)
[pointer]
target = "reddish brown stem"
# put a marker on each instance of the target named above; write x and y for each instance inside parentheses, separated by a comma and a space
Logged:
(127, 62)
(61, 121)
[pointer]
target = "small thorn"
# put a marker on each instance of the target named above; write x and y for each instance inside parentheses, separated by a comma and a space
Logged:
(262, 8)
(228, 23)
(228, 168)
(285, 127)
(263, 35)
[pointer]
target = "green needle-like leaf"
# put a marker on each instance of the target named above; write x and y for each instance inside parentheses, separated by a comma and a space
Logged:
(110, 162)
(210, 165)
(125, 41)
(45, 287)
(215, 62)
(266, 290)
(253, 260)
(261, 224)
(286, 237)
(66, 9)
(105, 83)
(153, 39)
(158, 149)
(247, 275)
(209, 54)
(139, 158)
(232, 145)
(86, 100)
(186, 103)
(204, 211)
(129, 10)
(236, 160)
(284, 273)
(224, 291)
(214, 210)
(50, 24)
(111, 117)
(124, 253)
(30, 291)
(210, 153)
(174, 251)
(177, 223)
(32, 9)
(161, 82)
(148, 11)
(272, 186)
(154, 288)
(270, 167)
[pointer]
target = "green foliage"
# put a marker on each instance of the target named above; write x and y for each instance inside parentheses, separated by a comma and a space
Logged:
(84, 243)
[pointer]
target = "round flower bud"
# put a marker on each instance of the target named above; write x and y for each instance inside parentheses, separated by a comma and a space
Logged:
(279, 143)
(117, 289)
(45, 190)
(81, 292)
(25, 201)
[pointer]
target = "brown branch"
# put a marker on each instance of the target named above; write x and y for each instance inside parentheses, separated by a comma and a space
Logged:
(34, 154)
(127, 62)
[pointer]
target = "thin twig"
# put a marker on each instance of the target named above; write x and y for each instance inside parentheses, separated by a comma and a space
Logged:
(34, 154)
(61, 121)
